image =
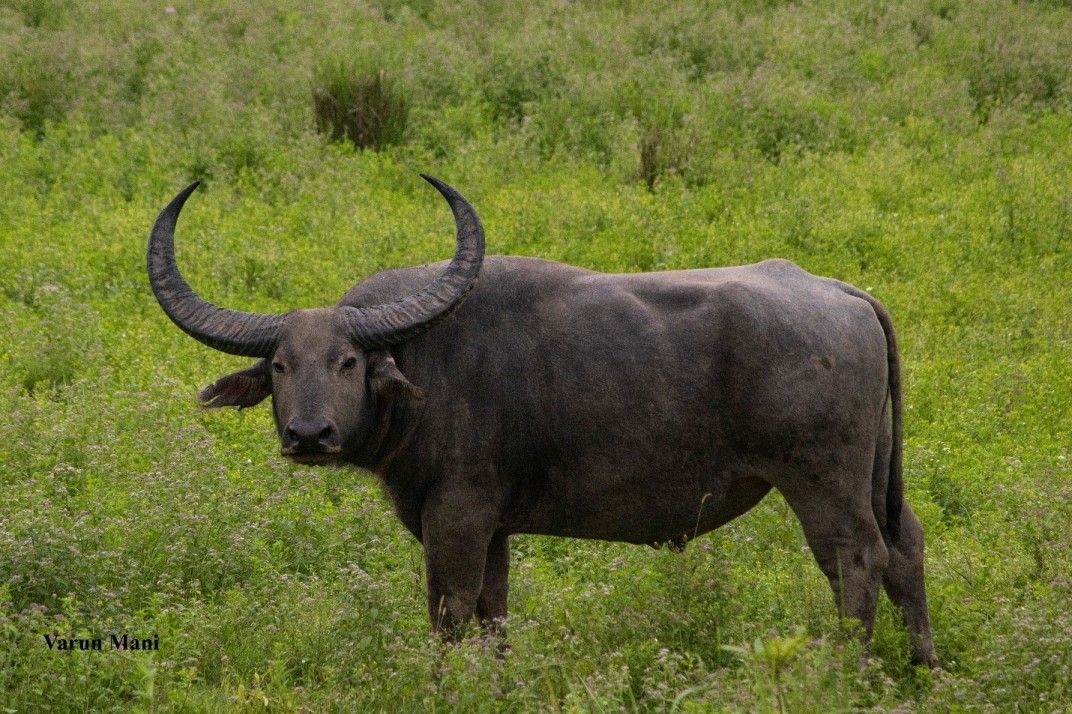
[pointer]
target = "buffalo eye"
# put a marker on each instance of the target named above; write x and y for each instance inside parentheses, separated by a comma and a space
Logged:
(348, 364)
(278, 367)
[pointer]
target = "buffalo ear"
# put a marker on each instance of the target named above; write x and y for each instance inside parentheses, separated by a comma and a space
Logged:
(387, 380)
(242, 389)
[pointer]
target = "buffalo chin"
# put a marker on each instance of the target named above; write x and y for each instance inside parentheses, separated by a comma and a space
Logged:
(318, 459)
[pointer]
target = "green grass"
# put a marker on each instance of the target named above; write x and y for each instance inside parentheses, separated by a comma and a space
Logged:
(921, 150)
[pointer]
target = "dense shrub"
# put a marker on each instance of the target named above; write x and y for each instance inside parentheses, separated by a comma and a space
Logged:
(365, 108)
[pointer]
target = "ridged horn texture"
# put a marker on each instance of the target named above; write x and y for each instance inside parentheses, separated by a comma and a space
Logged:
(392, 323)
(239, 333)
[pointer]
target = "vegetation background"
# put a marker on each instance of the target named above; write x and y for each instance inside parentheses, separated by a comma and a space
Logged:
(919, 149)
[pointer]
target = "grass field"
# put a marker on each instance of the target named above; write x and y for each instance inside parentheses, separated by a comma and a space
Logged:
(921, 150)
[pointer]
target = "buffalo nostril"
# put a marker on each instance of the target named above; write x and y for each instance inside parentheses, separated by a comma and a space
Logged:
(308, 433)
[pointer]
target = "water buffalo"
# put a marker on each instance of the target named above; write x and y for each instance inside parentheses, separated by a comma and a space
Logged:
(544, 398)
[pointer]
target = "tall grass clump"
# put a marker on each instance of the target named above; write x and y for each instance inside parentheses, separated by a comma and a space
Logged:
(663, 151)
(37, 87)
(362, 106)
(1012, 58)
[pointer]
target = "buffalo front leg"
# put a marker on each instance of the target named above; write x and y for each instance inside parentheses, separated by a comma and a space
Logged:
(456, 543)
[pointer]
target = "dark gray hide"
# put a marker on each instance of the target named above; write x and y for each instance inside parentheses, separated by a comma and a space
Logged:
(647, 408)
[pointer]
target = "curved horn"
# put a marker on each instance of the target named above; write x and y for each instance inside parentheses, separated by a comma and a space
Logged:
(238, 333)
(391, 323)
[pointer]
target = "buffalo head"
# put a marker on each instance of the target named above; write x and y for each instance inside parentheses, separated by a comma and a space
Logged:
(325, 368)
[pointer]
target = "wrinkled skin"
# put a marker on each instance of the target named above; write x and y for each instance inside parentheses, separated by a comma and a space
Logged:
(644, 408)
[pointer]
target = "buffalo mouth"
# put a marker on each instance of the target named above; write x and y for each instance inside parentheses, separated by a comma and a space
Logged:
(311, 458)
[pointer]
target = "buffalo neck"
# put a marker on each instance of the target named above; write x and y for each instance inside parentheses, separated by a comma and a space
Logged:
(387, 454)
(395, 421)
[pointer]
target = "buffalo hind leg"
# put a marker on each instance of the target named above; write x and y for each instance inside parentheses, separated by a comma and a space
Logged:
(904, 584)
(846, 542)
